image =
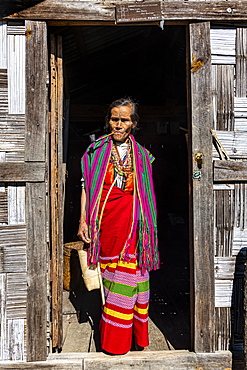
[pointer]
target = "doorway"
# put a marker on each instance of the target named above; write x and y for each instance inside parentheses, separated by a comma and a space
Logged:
(147, 63)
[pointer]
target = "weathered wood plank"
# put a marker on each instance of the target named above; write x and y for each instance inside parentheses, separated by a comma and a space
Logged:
(60, 10)
(95, 11)
(36, 266)
(22, 172)
(61, 186)
(223, 96)
(241, 64)
(57, 189)
(230, 171)
(202, 274)
(36, 94)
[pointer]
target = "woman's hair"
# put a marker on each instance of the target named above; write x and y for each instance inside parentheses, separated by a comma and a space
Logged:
(121, 103)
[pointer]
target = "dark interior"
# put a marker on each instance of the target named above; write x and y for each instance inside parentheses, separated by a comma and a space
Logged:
(147, 63)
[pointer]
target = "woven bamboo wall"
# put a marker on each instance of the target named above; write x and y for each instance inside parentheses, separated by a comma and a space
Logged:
(228, 47)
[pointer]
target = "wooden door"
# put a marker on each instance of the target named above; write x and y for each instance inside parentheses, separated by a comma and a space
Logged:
(23, 232)
(218, 188)
(57, 179)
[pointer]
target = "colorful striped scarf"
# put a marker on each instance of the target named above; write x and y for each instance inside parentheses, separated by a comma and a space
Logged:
(94, 165)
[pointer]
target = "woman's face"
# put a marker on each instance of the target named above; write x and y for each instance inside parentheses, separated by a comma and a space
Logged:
(121, 122)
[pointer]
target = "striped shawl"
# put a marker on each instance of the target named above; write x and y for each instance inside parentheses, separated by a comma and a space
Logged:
(94, 165)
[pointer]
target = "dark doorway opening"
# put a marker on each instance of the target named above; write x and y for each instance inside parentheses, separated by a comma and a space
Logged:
(147, 63)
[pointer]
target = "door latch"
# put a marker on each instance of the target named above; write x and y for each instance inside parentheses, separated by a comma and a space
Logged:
(199, 158)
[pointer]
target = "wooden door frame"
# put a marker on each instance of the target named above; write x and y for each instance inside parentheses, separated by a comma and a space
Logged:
(202, 266)
(201, 191)
(201, 188)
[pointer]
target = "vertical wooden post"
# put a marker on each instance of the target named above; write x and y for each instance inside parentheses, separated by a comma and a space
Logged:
(57, 188)
(202, 251)
(35, 151)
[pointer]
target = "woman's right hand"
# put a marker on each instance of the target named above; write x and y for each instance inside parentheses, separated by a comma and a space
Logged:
(83, 232)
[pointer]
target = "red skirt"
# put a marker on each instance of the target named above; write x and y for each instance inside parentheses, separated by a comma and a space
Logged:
(125, 314)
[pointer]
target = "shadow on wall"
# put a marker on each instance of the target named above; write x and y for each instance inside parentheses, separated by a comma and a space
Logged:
(237, 306)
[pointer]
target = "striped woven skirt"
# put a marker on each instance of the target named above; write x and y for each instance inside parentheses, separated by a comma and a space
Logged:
(125, 314)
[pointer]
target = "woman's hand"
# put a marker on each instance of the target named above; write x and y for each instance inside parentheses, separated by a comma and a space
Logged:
(83, 232)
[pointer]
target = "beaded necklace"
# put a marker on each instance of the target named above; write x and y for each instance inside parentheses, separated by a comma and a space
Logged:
(123, 167)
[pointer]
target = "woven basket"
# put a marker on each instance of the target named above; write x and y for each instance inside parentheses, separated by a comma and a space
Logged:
(67, 248)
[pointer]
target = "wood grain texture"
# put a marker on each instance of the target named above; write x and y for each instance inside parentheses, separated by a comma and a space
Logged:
(241, 63)
(16, 70)
(3, 339)
(171, 10)
(36, 91)
(12, 137)
(22, 172)
(222, 328)
(234, 143)
(203, 249)
(223, 96)
(223, 43)
(57, 179)
(67, 10)
(36, 267)
(230, 171)
(224, 207)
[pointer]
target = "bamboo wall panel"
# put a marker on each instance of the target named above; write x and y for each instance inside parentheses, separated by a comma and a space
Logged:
(241, 62)
(16, 204)
(16, 70)
(222, 328)
(12, 137)
(3, 205)
(16, 330)
(3, 333)
(13, 235)
(223, 293)
(240, 113)
(223, 46)
(240, 206)
(224, 267)
(234, 143)
(3, 91)
(3, 45)
(224, 222)
(16, 295)
(229, 71)
(223, 96)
